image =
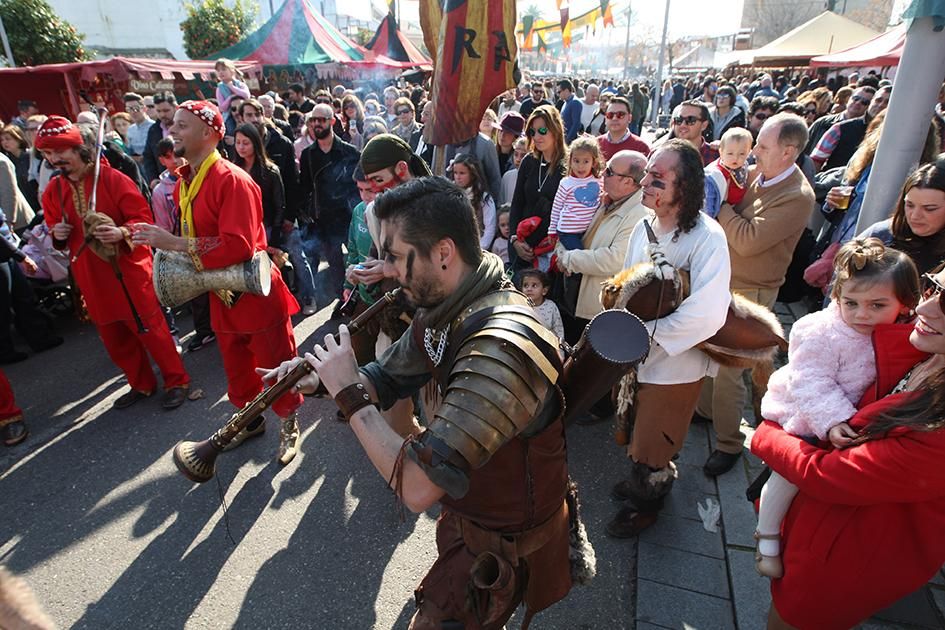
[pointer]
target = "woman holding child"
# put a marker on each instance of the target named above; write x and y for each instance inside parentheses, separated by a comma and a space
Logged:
(865, 527)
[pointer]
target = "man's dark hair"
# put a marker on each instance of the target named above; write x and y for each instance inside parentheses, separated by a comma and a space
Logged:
(690, 182)
(298, 88)
(622, 100)
(428, 210)
(870, 80)
(708, 81)
(165, 146)
(165, 97)
(252, 102)
(793, 108)
(565, 84)
(727, 90)
(26, 103)
(700, 105)
(763, 102)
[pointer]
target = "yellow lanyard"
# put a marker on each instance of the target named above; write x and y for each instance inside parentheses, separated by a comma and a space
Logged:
(188, 192)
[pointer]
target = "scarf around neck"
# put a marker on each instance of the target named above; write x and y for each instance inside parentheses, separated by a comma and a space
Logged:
(489, 276)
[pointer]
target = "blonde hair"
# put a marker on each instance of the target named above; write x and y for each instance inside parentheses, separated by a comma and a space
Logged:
(588, 144)
(229, 65)
(866, 261)
(736, 134)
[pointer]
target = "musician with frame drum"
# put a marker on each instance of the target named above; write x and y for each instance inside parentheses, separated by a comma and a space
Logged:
(221, 225)
(114, 276)
(494, 455)
(669, 379)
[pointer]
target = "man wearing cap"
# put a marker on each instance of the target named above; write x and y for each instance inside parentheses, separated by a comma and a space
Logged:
(221, 225)
(511, 128)
(101, 246)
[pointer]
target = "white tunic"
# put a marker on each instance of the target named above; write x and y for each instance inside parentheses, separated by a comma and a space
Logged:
(703, 251)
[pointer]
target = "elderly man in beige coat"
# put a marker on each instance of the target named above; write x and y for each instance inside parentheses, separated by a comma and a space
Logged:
(606, 238)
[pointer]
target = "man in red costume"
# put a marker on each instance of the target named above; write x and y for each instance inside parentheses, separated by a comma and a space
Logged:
(128, 318)
(221, 225)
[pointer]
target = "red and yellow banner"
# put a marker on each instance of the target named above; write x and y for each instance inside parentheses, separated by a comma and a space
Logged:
(475, 59)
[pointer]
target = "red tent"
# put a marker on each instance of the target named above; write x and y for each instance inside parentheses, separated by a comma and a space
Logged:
(882, 50)
(391, 42)
(57, 88)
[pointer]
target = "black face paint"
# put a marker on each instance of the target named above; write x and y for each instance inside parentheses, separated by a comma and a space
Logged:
(411, 255)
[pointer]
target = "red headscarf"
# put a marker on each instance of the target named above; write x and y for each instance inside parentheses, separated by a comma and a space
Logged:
(208, 113)
(58, 133)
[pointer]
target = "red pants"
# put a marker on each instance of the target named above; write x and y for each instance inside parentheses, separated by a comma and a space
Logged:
(9, 412)
(244, 352)
(129, 350)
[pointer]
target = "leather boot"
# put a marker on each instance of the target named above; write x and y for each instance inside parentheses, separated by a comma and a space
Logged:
(288, 439)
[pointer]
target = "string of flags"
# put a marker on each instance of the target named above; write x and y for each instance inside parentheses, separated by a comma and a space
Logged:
(532, 30)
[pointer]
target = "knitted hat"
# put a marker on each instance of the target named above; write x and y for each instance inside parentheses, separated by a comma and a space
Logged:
(208, 113)
(58, 133)
(386, 150)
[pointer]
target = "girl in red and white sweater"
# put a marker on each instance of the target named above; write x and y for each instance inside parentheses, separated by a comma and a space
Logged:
(578, 194)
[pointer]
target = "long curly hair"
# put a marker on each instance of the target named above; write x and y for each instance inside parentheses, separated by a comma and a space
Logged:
(690, 183)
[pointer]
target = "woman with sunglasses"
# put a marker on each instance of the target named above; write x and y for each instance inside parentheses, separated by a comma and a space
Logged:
(917, 227)
(538, 177)
(352, 118)
(726, 114)
(866, 527)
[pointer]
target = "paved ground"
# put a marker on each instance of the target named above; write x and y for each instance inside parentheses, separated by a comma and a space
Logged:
(99, 522)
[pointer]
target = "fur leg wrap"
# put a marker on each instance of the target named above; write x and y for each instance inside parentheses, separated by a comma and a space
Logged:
(648, 486)
(582, 555)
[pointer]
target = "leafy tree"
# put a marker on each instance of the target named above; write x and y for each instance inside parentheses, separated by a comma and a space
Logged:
(38, 35)
(211, 25)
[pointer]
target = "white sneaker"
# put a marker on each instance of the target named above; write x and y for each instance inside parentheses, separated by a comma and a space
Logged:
(310, 308)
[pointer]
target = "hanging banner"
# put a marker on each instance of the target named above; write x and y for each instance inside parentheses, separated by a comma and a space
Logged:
(475, 61)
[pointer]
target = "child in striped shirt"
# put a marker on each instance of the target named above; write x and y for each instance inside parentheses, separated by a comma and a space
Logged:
(578, 194)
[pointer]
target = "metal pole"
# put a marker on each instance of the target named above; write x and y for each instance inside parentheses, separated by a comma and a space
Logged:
(907, 120)
(6, 45)
(658, 87)
(626, 48)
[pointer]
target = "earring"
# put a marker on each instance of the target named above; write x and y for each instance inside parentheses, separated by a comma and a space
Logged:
(444, 267)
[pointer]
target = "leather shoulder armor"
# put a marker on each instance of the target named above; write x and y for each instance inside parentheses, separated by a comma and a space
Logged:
(501, 374)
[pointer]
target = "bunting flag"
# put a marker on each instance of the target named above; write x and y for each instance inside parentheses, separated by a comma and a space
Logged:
(547, 26)
(527, 22)
(542, 46)
(607, 13)
(564, 17)
(475, 60)
(565, 27)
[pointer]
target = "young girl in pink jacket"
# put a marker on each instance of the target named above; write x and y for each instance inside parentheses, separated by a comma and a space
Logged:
(830, 364)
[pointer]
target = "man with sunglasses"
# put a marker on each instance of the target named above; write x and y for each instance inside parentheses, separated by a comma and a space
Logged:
(138, 131)
(165, 105)
(857, 105)
(762, 108)
(533, 102)
(619, 137)
(843, 138)
(326, 170)
(690, 124)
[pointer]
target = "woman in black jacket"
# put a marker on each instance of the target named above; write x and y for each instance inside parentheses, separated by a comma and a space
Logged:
(251, 157)
(538, 177)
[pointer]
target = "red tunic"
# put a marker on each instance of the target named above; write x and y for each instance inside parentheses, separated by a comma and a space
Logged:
(866, 527)
(228, 219)
(119, 198)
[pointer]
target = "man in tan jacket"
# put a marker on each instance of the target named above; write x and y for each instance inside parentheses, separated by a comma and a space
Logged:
(606, 238)
(605, 242)
(762, 233)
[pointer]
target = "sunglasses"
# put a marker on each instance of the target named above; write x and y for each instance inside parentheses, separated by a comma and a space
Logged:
(319, 119)
(234, 110)
(933, 289)
(861, 99)
(609, 172)
(617, 115)
(401, 112)
(687, 120)
(810, 112)
(760, 116)
(541, 131)
(323, 101)
(133, 109)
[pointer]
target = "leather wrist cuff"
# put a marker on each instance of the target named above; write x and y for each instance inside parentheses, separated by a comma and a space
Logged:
(352, 399)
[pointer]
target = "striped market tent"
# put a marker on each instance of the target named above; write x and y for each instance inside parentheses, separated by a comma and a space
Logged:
(392, 43)
(296, 36)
